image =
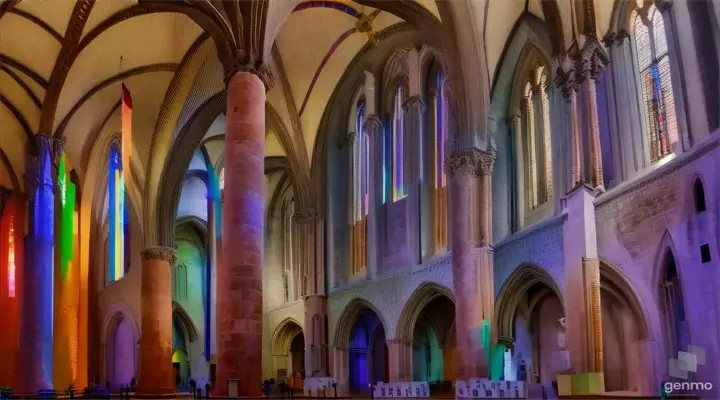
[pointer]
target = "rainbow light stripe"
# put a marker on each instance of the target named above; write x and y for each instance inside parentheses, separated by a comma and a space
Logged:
(11, 257)
(116, 206)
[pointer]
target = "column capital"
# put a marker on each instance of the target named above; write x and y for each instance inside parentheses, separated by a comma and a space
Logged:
(507, 341)
(615, 38)
(402, 342)
(591, 60)
(159, 253)
(245, 63)
(472, 162)
(414, 102)
(372, 124)
(351, 138)
(306, 215)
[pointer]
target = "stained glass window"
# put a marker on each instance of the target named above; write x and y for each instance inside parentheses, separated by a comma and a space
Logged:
(657, 96)
(397, 143)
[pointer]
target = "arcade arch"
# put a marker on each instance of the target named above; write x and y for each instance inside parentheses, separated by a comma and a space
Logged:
(288, 350)
(120, 339)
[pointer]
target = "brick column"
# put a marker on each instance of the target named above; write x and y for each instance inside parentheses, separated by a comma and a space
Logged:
(156, 377)
(36, 305)
(316, 342)
(399, 360)
(472, 256)
(239, 276)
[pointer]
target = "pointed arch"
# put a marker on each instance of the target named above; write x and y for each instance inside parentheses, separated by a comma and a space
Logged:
(191, 332)
(116, 314)
(616, 283)
(284, 334)
(419, 299)
(698, 191)
(349, 316)
(514, 288)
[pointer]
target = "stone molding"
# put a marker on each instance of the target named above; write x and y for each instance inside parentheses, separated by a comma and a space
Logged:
(616, 38)
(659, 173)
(472, 162)
(166, 254)
(403, 342)
(306, 215)
(245, 63)
(372, 124)
(663, 5)
(414, 102)
(591, 60)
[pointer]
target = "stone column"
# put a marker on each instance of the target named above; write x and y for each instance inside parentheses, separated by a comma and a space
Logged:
(582, 283)
(568, 84)
(156, 377)
(316, 344)
(36, 304)
(399, 360)
(520, 170)
(373, 129)
(532, 155)
(591, 62)
(470, 218)
(414, 114)
(239, 292)
(308, 228)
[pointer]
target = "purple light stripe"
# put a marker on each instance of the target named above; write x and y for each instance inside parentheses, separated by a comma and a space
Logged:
(328, 4)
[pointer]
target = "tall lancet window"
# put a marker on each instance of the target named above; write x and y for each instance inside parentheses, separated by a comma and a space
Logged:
(673, 304)
(438, 136)
(11, 268)
(657, 95)
(536, 142)
(117, 215)
(398, 183)
(360, 195)
(289, 270)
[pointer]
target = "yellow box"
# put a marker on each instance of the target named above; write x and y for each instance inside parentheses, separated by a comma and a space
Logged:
(564, 385)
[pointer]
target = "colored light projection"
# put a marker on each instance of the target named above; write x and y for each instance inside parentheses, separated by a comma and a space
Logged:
(11, 248)
(214, 185)
(440, 179)
(66, 282)
(398, 144)
(116, 210)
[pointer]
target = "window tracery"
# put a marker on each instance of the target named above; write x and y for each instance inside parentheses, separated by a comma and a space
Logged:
(654, 65)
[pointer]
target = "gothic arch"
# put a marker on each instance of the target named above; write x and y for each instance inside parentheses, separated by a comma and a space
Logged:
(665, 249)
(116, 314)
(514, 288)
(531, 57)
(615, 283)
(348, 317)
(283, 336)
(419, 299)
(191, 332)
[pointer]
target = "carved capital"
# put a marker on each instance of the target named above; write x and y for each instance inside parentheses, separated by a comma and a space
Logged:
(372, 124)
(306, 215)
(567, 83)
(247, 63)
(471, 162)
(448, 89)
(591, 60)
(414, 103)
(506, 341)
(166, 254)
(351, 138)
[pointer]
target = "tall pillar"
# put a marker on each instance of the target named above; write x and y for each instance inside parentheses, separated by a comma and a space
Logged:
(316, 332)
(239, 277)
(308, 228)
(520, 170)
(472, 256)
(591, 62)
(36, 312)
(156, 376)
(414, 115)
(399, 360)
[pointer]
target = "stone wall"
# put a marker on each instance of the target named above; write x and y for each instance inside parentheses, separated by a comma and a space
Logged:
(389, 293)
(639, 221)
(540, 245)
